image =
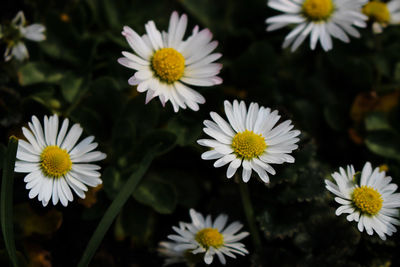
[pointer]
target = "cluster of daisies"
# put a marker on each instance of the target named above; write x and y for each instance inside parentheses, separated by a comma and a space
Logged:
(250, 138)
(324, 19)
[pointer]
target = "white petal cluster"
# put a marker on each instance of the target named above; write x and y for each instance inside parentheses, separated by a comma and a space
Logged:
(81, 174)
(341, 23)
(280, 140)
(196, 50)
(185, 239)
(33, 32)
(384, 221)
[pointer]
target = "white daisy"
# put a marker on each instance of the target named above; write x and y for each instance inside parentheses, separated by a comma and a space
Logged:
(321, 19)
(250, 139)
(210, 238)
(167, 250)
(165, 64)
(368, 198)
(17, 32)
(382, 14)
(55, 163)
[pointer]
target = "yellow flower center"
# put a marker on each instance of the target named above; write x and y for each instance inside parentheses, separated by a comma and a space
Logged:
(168, 64)
(318, 10)
(209, 237)
(367, 199)
(377, 11)
(248, 145)
(55, 162)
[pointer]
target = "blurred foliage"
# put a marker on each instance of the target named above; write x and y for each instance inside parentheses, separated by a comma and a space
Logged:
(345, 102)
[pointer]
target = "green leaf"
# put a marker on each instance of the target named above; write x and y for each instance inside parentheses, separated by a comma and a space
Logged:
(70, 85)
(37, 72)
(187, 130)
(6, 199)
(376, 121)
(384, 143)
(135, 220)
(157, 194)
(115, 208)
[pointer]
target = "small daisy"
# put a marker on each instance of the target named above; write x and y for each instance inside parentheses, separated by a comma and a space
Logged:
(371, 201)
(382, 14)
(204, 236)
(172, 256)
(321, 19)
(251, 139)
(55, 163)
(165, 64)
(17, 32)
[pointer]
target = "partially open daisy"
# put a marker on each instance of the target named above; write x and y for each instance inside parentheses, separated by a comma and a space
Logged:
(368, 197)
(172, 256)
(321, 19)
(165, 64)
(18, 31)
(382, 14)
(250, 139)
(55, 163)
(210, 238)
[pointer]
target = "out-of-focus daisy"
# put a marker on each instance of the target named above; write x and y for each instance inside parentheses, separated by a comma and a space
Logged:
(211, 238)
(250, 139)
(369, 198)
(165, 64)
(18, 31)
(55, 162)
(382, 14)
(321, 19)
(167, 250)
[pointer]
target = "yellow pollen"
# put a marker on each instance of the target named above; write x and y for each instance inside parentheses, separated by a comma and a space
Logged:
(377, 11)
(318, 10)
(55, 162)
(383, 168)
(209, 237)
(168, 64)
(248, 145)
(367, 199)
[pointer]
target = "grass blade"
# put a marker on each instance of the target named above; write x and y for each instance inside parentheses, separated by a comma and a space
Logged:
(6, 199)
(115, 209)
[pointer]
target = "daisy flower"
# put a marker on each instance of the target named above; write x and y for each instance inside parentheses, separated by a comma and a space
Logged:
(17, 32)
(369, 198)
(321, 19)
(165, 64)
(382, 14)
(251, 139)
(211, 238)
(54, 162)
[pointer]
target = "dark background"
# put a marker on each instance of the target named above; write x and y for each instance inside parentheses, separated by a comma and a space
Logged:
(345, 102)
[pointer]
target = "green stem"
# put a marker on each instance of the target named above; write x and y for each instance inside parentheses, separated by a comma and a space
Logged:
(249, 211)
(115, 209)
(6, 200)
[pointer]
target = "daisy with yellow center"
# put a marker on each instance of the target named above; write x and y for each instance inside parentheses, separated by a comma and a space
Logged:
(165, 64)
(55, 162)
(382, 14)
(203, 236)
(321, 19)
(369, 199)
(251, 139)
